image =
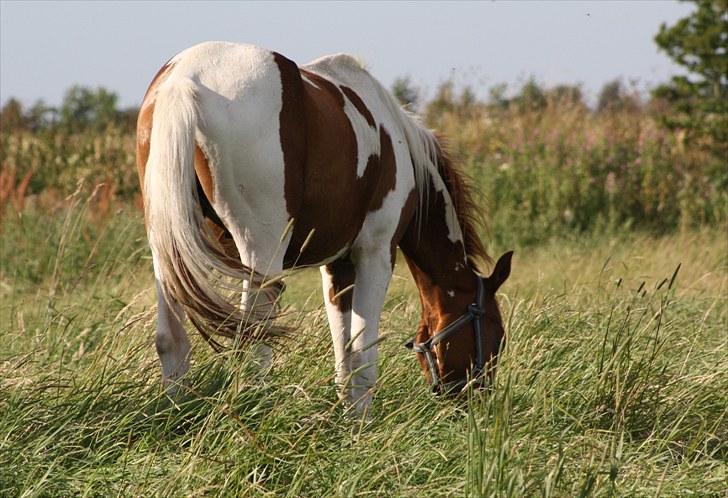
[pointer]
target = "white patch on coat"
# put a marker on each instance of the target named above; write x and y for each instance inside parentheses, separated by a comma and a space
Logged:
(367, 138)
(454, 233)
(308, 80)
(234, 117)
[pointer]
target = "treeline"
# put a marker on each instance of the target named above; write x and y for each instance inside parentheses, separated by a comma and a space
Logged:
(614, 96)
(95, 109)
(82, 109)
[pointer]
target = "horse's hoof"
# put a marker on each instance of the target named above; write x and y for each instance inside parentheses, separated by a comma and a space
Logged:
(172, 387)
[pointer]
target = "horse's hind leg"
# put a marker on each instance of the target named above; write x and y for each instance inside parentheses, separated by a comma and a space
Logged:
(173, 346)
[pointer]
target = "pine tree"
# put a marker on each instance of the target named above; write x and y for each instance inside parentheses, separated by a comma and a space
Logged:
(699, 100)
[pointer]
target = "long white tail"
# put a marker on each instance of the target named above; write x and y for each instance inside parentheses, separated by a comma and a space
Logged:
(192, 266)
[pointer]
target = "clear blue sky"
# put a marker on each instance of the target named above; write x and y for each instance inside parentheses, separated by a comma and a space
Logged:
(45, 47)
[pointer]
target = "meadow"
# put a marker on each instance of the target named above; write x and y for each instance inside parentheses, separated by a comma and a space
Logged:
(614, 380)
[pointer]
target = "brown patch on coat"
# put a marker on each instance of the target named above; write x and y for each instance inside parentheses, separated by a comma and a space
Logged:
(226, 249)
(335, 201)
(293, 132)
(343, 275)
(204, 175)
(331, 152)
(359, 104)
(429, 247)
(387, 175)
(206, 194)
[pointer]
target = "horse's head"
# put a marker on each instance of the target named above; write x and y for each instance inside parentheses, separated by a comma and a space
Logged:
(461, 335)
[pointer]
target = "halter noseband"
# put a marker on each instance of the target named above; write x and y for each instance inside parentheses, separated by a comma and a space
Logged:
(474, 313)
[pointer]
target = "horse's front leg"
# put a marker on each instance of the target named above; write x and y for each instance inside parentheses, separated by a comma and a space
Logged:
(337, 279)
(173, 346)
(373, 273)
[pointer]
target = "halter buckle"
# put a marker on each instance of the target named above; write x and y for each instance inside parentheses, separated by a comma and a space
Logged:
(475, 310)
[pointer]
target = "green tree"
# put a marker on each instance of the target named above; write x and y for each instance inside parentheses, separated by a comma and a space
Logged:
(405, 92)
(127, 118)
(12, 116)
(699, 100)
(448, 101)
(531, 96)
(444, 102)
(566, 95)
(84, 108)
(497, 98)
(41, 116)
(615, 97)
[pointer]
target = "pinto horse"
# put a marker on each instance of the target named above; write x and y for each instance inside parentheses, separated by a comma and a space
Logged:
(251, 165)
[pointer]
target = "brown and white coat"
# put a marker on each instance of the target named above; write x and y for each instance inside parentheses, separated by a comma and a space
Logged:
(251, 165)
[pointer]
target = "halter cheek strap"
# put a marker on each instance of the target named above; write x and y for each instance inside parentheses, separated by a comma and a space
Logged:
(475, 314)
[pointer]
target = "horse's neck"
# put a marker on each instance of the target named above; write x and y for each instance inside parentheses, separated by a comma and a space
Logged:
(442, 273)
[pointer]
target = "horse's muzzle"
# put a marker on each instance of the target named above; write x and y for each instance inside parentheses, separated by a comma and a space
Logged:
(457, 387)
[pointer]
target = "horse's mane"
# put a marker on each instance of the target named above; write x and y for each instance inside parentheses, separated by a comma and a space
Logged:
(463, 194)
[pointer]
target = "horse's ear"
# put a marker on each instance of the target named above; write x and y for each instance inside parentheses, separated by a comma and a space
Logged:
(500, 273)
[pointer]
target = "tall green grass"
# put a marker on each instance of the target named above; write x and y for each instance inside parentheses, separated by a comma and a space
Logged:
(563, 169)
(614, 381)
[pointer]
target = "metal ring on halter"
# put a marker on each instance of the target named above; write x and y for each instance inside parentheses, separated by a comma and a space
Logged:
(474, 313)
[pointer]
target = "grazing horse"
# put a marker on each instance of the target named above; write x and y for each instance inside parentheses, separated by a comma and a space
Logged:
(250, 165)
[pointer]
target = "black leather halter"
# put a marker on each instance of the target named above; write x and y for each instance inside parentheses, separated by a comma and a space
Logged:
(474, 313)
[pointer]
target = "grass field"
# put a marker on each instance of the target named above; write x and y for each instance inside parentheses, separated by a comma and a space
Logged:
(614, 381)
